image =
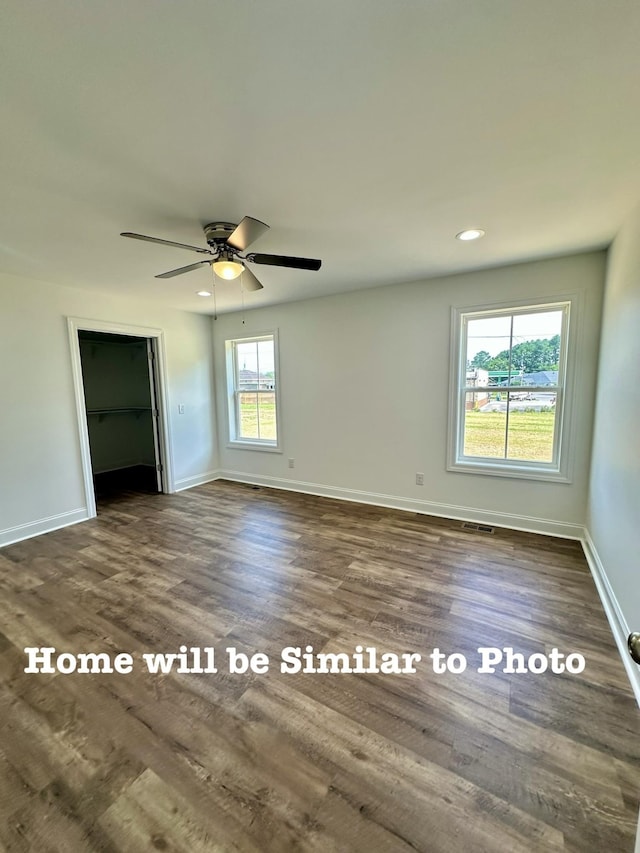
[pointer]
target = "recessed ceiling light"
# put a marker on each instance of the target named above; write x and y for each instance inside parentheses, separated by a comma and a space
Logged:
(204, 293)
(470, 234)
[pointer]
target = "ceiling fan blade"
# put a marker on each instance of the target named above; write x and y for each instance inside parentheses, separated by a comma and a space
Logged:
(246, 232)
(249, 281)
(285, 261)
(165, 242)
(180, 270)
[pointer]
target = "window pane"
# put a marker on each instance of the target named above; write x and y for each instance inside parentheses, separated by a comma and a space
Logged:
(530, 357)
(267, 416)
(536, 348)
(529, 430)
(488, 341)
(248, 414)
(255, 365)
(266, 365)
(247, 360)
(257, 415)
(531, 427)
(484, 431)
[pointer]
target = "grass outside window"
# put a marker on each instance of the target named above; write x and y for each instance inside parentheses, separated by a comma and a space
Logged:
(258, 416)
(529, 436)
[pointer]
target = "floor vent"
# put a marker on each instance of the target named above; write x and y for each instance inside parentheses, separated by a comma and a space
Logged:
(480, 528)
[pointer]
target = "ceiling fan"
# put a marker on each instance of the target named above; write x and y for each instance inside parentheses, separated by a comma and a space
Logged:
(226, 241)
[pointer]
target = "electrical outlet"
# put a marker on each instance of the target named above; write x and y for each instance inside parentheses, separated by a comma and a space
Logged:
(181, 409)
(419, 479)
(292, 463)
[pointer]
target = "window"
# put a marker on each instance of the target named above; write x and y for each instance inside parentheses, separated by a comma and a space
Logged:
(509, 391)
(253, 391)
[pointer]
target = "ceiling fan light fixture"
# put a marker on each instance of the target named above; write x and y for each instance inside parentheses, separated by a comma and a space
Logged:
(470, 234)
(227, 269)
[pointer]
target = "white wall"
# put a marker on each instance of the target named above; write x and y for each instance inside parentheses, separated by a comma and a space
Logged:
(41, 484)
(364, 383)
(613, 519)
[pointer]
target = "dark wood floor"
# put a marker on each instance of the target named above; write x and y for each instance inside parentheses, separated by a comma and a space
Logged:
(307, 762)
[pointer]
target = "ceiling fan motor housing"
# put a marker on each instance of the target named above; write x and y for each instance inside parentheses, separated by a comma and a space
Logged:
(218, 232)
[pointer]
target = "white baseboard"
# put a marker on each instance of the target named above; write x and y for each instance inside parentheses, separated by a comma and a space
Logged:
(196, 480)
(530, 524)
(54, 522)
(42, 525)
(619, 627)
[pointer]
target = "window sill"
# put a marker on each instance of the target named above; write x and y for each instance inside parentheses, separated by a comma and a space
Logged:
(522, 471)
(254, 445)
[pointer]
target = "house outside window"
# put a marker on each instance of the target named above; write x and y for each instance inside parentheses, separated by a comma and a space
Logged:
(509, 392)
(252, 386)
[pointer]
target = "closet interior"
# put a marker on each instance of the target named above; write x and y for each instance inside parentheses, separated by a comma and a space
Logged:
(120, 392)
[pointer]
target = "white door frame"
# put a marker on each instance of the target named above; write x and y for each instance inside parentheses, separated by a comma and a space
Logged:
(77, 324)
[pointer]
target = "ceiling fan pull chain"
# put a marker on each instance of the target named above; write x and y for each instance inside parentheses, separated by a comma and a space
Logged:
(242, 292)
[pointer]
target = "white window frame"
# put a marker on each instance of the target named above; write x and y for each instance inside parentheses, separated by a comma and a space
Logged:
(560, 467)
(232, 396)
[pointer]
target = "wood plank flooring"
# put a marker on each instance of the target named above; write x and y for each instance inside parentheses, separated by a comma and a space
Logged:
(375, 762)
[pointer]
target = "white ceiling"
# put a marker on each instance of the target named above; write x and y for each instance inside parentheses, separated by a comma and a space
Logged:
(365, 132)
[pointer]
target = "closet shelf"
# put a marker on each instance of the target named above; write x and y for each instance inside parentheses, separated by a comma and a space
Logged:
(119, 410)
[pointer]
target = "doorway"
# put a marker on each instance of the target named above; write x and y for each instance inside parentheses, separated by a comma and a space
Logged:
(121, 414)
